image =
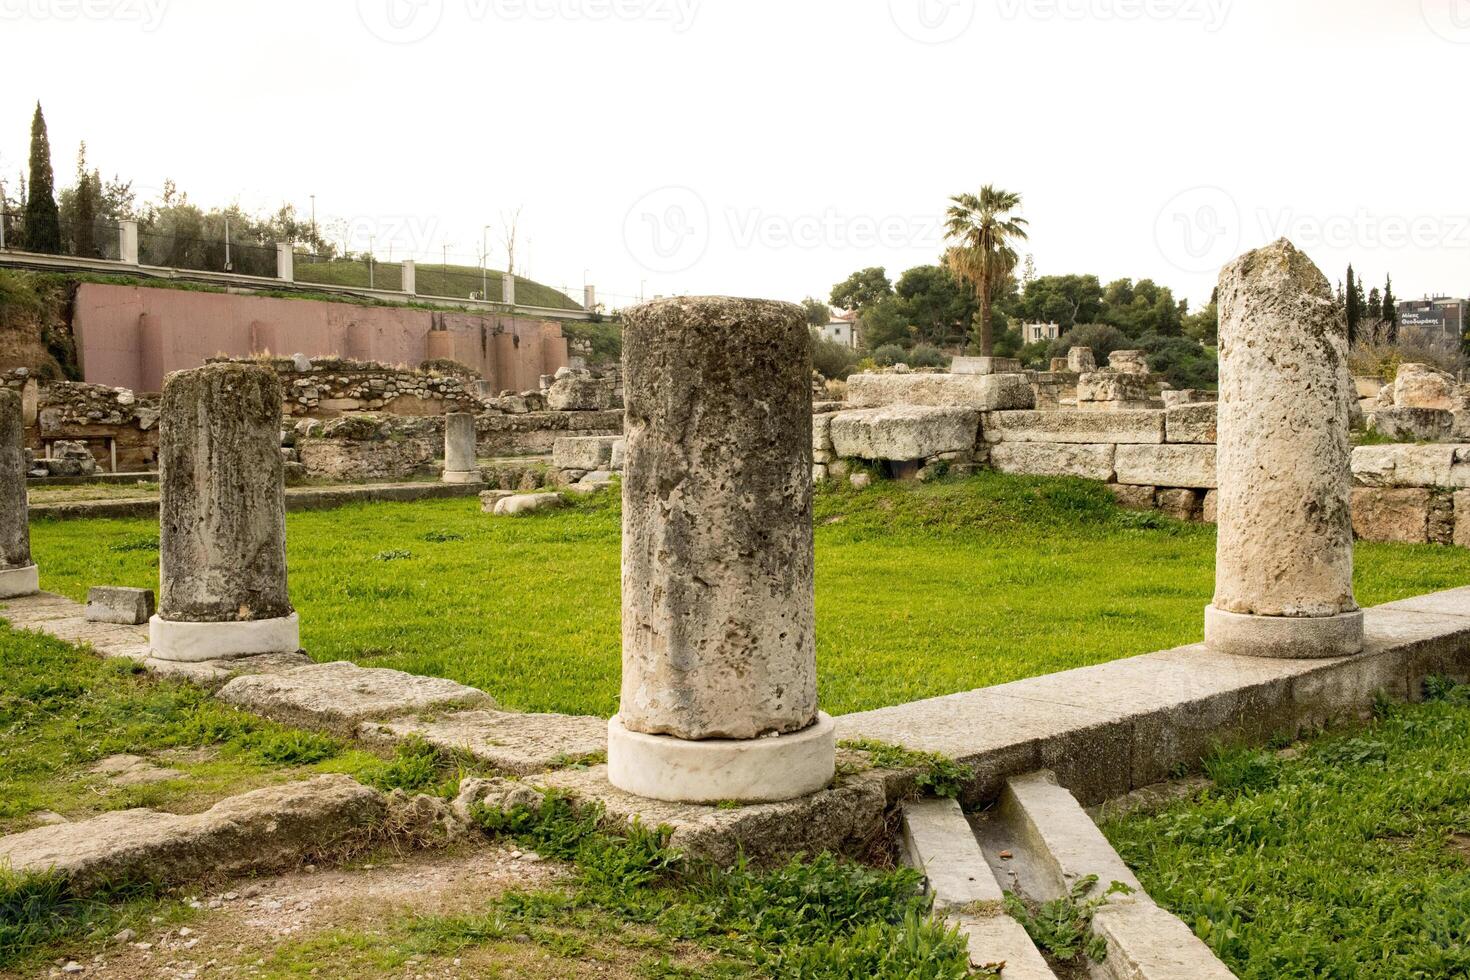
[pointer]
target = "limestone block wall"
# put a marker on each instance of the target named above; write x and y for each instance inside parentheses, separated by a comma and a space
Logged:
(327, 388)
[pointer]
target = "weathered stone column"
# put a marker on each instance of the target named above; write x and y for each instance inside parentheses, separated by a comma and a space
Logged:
(460, 456)
(719, 698)
(222, 518)
(1284, 566)
(18, 574)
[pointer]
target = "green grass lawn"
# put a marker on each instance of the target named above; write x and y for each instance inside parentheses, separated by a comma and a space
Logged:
(454, 281)
(922, 590)
(1348, 859)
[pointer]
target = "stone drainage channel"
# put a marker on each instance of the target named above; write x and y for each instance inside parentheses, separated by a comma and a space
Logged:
(1038, 844)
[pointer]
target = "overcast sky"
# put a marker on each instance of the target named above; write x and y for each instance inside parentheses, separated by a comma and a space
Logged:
(770, 147)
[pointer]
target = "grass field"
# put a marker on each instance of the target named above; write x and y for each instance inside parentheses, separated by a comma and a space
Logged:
(922, 590)
(456, 281)
(1346, 858)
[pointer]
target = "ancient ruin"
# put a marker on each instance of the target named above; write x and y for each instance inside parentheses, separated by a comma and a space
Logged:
(460, 457)
(719, 693)
(222, 525)
(18, 573)
(1284, 573)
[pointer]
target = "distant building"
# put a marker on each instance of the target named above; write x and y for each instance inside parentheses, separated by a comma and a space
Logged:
(1032, 333)
(841, 329)
(1440, 313)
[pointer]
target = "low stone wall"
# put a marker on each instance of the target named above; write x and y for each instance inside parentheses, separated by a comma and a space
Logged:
(327, 388)
(118, 427)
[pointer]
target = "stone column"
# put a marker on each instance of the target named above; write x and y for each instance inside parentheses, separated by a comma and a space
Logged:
(719, 695)
(507, 289)
(410, 277)
(285, 261)
(460, 456)
(127, 242)
(222, 518)
(18, 574)
(1284, 565)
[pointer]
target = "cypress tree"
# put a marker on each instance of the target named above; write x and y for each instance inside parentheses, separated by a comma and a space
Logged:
(1354, 311)
(1391, 312)
(84, 235)
(43, 219)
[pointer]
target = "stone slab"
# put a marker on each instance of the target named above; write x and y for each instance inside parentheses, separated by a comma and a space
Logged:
(1073, 426)
(847, 818)
(1167, 466)
(996, 939)
(1145, 942)
(513, 743)
(340, 696)
(938, 840)
(1090, 462)
(1114, 727)
(121, 606)
(1445, 466)
(265, 829)
(904, 432)
(1193, 423)
(1060, 833)
(583, 452)
(985, 365)
(985, 392)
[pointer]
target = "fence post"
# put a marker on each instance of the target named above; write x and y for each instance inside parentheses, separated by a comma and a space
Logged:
(508, 289)
(127, 243)
(410, 277)
(285, 262)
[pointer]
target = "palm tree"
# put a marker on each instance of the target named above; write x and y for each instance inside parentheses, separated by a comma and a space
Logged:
(983, 257)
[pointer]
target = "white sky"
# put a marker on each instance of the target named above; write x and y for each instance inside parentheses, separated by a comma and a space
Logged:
(770, 147)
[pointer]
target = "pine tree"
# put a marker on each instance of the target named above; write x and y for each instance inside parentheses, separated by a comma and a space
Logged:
(43, 219)
(1391, 312)
(1354, 311)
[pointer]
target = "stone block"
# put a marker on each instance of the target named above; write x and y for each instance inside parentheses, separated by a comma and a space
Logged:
(1091, 462)
(1419, 424)
(1133, 498)
(905, 432)
(988, 393)
(1210, 509)
(340, 696)
(1080, 360)
(125, 607)
(1074, 426)
(583, 453)
(1103, 391)
(1443, 465)
(938, 840)
(578, 393)
(1462, 519)
(1179, 504)
(1191, 423)
(263, 830)
(523, 504)
(1146, 941)
(1391, 515)
(509, 742)
(1128, 362)
(1421, 386)
(1167, 466)
(985, 365)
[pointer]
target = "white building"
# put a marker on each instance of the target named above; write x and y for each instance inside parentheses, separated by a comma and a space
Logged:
(1034, 332)
(841, 329)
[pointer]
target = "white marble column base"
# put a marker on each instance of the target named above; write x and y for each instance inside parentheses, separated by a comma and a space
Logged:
(196, 642)
(16, 582)
(760, 770)
(1284, 637)
(466, 477)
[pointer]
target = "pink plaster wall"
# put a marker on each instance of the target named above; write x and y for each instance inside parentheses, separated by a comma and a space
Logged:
(132, 336)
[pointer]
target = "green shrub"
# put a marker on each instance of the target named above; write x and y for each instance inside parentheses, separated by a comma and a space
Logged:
(927, 356)
(889, 355)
